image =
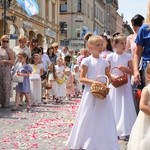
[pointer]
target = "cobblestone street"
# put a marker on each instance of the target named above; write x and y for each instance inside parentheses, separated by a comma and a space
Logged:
(44, 128)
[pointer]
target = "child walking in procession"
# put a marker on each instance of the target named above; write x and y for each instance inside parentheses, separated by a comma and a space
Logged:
(78, 85)
(51, 77)
(60, 72)
(70, 90)
(23, 88)
(94, 127)
(140, 134)
(35, 80)
(121, 97)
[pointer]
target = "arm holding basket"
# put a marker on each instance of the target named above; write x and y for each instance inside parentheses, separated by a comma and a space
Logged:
(98, 89)
(127, 70)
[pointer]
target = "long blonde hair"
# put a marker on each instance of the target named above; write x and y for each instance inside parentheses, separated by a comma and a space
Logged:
(147, 19)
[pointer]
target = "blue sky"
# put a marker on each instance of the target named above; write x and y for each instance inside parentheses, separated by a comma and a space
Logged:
(132, 7)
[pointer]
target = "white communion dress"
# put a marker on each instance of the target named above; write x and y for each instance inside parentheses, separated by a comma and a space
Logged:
(35, 84)
(140, 134)
(94, 127)
(121, 97)
(62, 86)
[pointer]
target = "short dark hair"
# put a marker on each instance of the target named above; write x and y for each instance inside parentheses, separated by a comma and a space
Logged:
(34, 40)
(36, 50)
(137, 20)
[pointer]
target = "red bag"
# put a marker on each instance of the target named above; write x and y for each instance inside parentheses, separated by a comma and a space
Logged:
(138, 94)
(119, 81)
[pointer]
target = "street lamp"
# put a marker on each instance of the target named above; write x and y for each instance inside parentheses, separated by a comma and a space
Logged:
(5, 4)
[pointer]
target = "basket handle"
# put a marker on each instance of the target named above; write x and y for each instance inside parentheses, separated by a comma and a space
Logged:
(118, 69)
(107, 80)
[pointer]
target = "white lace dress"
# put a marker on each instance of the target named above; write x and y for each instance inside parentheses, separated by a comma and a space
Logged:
(140, 134)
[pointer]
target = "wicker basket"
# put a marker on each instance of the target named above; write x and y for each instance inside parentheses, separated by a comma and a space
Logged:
(119, 81)
(100, 90)
(47, 84)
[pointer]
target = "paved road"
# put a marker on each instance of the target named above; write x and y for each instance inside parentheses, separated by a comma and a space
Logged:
(44, 128)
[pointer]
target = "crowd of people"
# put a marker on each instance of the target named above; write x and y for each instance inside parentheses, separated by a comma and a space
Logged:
(60, 74)
(53, 74)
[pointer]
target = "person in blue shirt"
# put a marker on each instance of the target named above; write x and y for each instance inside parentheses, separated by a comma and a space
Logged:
(136, 22)
(142, 51)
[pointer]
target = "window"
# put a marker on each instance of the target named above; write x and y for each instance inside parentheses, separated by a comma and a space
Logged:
(96, 11)
(63, 27)
(88, 10)
(79, 6)
(108, 32)
(92, 12)
(64, 43)
(47, 9)
(63, 6)
(78, 33)
(53, 12)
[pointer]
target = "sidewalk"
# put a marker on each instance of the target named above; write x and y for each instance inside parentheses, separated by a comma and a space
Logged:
(45, 128)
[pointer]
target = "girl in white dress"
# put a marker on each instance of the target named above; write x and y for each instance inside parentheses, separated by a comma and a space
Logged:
(70, 89)
(140, 134)
(78, 85)
(35, 80)
(121, 97)
(51, 77)
(94, 127)
(60, 73)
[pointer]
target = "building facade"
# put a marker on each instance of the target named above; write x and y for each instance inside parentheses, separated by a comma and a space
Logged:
(99, 13)
(119, 23)
(76, 18)
(111, 7)
(43, 26)
(127, 30)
